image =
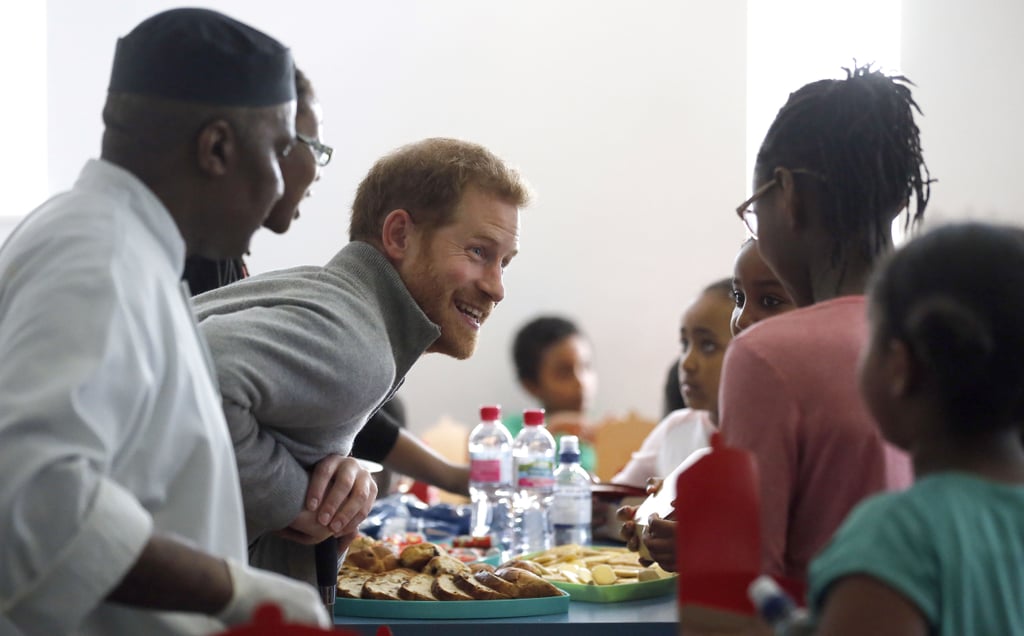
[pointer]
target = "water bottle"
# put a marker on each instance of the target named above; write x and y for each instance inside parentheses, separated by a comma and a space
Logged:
(490, 480)
(778, 609)
(534, 458)
(571, 509)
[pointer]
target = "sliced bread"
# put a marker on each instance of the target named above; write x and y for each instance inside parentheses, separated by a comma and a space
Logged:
(385, 585)
(350, 582)
(465, 582)
(444, 564)
(417, 588)
(444, 589)
(496, 583)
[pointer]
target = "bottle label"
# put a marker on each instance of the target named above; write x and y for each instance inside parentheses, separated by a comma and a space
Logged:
(538, 473)
(485, 471)
(571, 508)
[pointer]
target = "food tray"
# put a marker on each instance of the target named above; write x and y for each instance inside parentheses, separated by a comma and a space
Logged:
(511, 608)
(614, 492)
(617, 593)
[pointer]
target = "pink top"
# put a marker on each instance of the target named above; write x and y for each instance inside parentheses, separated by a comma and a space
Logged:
(789, 394)
(671, 441)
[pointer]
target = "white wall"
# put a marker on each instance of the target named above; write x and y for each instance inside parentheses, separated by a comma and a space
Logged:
(23, 46)
(628, 123)
(965, 58)
(628, 118)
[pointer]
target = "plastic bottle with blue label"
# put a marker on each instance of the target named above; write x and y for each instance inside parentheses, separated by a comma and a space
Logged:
(571, 510)
(490, 480)
(534, 459)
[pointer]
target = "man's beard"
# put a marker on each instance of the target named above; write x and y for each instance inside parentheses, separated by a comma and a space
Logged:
(457, 339)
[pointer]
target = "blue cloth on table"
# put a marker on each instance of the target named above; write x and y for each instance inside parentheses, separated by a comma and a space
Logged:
(406, 513)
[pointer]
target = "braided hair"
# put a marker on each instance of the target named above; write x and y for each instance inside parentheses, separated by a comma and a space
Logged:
(858, 139)
(955, 296)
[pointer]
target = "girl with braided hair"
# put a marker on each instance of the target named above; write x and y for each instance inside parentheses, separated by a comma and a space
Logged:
(838, 164)
(944, 378)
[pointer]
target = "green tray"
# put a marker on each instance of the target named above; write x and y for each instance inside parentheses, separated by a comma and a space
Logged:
(511, 608)
(617, 593)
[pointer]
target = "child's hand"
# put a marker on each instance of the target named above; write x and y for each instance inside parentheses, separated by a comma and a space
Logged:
(625, 514)
(654, 485)
(660, 540)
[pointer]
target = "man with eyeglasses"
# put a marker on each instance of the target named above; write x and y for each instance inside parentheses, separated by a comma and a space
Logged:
(300, 169)
(120, 510)
(304, 356)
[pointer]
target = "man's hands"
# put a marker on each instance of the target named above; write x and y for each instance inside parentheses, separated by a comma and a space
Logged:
(338, 499)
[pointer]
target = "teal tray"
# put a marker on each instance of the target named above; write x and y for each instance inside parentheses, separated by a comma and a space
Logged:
(511, 608)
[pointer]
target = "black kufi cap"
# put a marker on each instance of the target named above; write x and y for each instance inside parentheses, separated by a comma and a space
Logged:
(198, 55)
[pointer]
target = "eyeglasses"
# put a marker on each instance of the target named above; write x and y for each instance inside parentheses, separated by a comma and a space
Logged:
(321, 152)
(746, 212)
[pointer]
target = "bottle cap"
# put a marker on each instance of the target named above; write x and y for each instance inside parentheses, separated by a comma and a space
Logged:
(533, 417)
(490, 413)
(569, 445)
(772, 603)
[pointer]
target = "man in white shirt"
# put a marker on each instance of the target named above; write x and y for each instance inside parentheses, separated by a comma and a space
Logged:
(120, 510)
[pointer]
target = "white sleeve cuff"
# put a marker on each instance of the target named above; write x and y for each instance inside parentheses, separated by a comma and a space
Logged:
(108, 544)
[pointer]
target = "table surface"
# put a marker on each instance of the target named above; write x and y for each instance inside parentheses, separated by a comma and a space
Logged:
(652, 617)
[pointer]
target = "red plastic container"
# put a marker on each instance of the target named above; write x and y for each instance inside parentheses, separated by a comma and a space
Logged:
(718, 538)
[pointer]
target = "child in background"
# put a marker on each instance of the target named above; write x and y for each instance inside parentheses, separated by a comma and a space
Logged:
(755, 288)
(704, 335)
(554, 365)
(944, 378)
(756, 295)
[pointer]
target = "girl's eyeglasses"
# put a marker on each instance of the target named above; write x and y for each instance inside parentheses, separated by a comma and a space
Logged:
(745, 210)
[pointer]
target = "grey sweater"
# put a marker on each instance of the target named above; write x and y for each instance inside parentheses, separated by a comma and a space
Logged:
(304, 356)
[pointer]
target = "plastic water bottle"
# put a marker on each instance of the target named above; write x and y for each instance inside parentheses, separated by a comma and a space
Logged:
(534, 457)
(778, 609)
(490, 479)
(571, 509)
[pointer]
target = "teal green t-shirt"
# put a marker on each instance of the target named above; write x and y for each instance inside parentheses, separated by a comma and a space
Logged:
(953, 544)
(514, 423)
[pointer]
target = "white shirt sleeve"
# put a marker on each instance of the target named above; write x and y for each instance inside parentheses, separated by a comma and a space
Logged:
(72, 388)
(684, 431)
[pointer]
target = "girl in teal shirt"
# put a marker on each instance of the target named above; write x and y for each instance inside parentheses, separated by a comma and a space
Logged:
(943, 376)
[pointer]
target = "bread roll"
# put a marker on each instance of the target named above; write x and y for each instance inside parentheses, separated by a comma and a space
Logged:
(361, 542)
(364, 559)
(375, 558)
(480, 566)
(418, 555)
(387, 556)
